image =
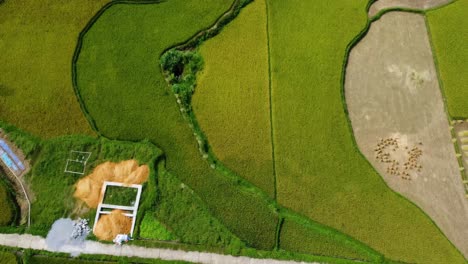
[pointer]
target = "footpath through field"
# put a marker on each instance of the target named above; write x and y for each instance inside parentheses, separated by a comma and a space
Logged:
(93, 247)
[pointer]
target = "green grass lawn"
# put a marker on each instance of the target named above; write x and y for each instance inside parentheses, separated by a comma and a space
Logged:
(231, 101)
(37, 42)
(449, 31)
(125, 92)
(320, 172)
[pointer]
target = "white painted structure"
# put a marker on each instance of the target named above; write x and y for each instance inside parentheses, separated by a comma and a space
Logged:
(134, 209)
(81, 158)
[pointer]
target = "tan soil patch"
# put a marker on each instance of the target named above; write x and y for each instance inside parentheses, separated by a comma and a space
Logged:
(415, 4)
(88, 189)
(109, 226)
(392, 91)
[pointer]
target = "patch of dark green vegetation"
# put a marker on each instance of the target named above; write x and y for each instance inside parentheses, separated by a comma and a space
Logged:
(183, 67)
(9, 210)
(125, 196)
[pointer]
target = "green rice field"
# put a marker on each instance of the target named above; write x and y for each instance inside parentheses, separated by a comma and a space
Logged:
(449, 34)
(37, 42)
(280, 173)
(235, 82)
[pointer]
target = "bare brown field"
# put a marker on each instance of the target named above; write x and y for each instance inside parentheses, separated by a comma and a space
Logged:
(418, 4)
(393, 94)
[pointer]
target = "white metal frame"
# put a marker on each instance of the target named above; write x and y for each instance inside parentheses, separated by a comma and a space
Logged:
(133, 209)
(83, 162)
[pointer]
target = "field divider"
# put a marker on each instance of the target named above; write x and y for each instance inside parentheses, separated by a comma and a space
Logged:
(271, 101)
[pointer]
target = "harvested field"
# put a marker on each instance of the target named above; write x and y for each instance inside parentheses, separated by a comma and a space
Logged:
(37, 42)
(109, 226)
(88, 189)
(392, 92)
(415, 4)
(449, 31)
(320, 173)
(231, 101)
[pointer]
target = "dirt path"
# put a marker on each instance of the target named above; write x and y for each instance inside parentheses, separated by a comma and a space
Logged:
(416, 4)
(392, 92)
(92, 247)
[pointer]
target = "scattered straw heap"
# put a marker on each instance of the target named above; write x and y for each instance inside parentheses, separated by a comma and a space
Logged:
(88, 189)
(109, 226)
(383, 153)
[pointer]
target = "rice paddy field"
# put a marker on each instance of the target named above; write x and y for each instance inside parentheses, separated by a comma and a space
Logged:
(37, 42)
(320, 172)
(269, 101)
(123, 80)
(233, 83)
(449, 32)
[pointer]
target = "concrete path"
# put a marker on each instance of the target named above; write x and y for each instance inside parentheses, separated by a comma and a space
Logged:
(92, 247)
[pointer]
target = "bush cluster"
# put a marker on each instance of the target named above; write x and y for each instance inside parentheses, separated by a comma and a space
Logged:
(181, 68)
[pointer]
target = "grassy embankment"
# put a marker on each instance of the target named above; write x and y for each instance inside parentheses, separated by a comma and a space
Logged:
(320, 172)
(449, 34)
(37, 43)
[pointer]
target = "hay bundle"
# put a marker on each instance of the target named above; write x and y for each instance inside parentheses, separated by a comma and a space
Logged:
(88, 189)
(109, 226)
